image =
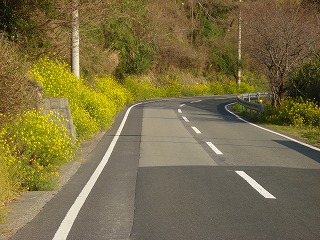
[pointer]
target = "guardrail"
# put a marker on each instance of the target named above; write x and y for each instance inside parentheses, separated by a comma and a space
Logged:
(245, 101)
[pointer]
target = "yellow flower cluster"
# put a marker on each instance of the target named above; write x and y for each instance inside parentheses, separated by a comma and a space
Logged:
(294, 112)
(33, 155)
(171, 86)
(91, 108)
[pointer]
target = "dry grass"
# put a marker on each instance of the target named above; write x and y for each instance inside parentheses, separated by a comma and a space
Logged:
(16, 91)
(170, 31)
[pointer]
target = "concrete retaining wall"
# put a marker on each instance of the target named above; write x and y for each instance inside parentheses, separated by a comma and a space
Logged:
(60, 105)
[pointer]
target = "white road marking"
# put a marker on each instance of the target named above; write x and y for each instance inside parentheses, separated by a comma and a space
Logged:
(196, 130)
(66, 224)
(221, 98)
(182, 105)
(255, 185)
(214, 148)
(179, 110)
(196, 101)
(185, 119)
(265, 129)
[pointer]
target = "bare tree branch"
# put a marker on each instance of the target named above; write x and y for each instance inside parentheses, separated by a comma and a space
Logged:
(280, 36)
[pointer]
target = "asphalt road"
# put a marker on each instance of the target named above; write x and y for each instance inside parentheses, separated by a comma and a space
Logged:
(187, 169)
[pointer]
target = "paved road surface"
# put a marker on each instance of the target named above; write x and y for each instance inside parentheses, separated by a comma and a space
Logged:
(188, 169)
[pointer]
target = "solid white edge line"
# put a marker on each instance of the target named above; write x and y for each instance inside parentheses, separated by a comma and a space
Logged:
(214, 148)
(255, 185)
(66, 224)
(179, 110)
(196, 130)
(185, 119)
(268, 130)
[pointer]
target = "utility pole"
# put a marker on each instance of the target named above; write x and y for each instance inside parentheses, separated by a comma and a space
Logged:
(192, 20)
(239, 44)
(75, 40)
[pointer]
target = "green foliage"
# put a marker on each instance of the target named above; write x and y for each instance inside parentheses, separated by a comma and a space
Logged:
(8, 20)
(18, 25)
(255, 79)
(294, 112)
(33, 155)
(312, 134)
(224, 86)
(305, 82)
(225, 61)
(212, 21)
(136, 54)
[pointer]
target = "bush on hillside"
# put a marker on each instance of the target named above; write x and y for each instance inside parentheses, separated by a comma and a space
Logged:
(31, 153)
(294, 112)
(10, 180)
(143, 88)
(305, 82)
(136, 55)
(171, 86)
(113, 90)
(91, 109)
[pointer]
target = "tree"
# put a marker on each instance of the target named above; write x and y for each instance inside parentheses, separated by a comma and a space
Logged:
(280, 37)
(305, 82)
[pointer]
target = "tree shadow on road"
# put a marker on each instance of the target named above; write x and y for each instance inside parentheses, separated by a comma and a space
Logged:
(306, 151)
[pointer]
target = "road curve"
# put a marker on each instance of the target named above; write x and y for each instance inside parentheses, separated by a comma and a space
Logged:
(188, 169)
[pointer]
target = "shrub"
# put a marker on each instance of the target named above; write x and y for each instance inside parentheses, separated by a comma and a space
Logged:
(114, 91)
(295, 112)
(245, 88)
(196, 90)
(171, 86)
(9, 177)
(35, 155)
(143, 88)
(84, 123)
(136, 55)
(305, 82)
(174, 89)
(91, 109)
(216, 88)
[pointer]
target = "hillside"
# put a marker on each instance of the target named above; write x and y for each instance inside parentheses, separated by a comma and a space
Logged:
(125, 37)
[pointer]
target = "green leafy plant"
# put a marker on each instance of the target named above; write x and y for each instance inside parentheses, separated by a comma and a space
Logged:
(136, 55)
(305, 82)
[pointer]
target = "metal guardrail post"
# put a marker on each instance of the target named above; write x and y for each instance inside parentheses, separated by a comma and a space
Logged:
(258, 107)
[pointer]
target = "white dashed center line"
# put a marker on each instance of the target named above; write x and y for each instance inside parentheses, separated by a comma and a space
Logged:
(214, 148)
(196, 101)
(179, 110)
(197, 131)
(255, 185)
(182, 105)
(185, 119)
